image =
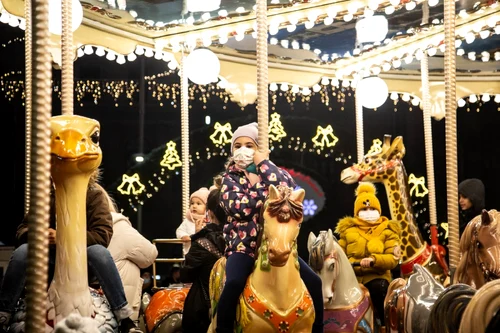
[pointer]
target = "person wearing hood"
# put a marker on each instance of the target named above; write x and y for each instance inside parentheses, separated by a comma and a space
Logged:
(372, 244)
(131, 252)
(471, 201)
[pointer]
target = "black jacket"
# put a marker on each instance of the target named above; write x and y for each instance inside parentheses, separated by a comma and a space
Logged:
(207, 246)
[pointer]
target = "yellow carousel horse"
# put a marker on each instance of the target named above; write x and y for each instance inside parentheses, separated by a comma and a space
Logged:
(275, 298)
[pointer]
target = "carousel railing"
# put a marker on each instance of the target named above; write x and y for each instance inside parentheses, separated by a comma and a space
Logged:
(165, 260)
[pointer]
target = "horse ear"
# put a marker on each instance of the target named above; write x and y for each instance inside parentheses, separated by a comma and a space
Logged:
(273, 193)
(310, 241)
(485, 218)
(329, 241)
(298, 195)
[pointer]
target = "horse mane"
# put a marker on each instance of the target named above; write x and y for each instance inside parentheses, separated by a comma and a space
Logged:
(284, 209)
(482, 308)
(446, 313)
(468, 247)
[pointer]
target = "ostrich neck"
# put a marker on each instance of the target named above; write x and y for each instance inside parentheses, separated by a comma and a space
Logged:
(71, 238)
(277, 284)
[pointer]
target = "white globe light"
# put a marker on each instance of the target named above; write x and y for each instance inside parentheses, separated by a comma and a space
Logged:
(202, 66)
(372, 29)
(55, 16)
(373, 92)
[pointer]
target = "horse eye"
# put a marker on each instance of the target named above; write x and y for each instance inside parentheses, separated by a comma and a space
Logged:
(479, 245)
(332, 266)
(300, 224)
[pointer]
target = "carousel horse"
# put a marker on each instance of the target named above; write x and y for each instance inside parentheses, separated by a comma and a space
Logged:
(409, 301)
(483, 312)
(480, 250)
(75, 158)
(347, 304)
(386, 166)
(163, 310)
(446, 313)
(275, 298)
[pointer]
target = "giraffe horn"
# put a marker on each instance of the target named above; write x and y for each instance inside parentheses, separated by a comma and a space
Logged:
(387, 141)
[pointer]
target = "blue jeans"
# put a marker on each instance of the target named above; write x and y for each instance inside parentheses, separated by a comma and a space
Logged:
(101, 266)
(238, 267)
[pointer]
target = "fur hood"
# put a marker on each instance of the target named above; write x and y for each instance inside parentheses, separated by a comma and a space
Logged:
(350, 222)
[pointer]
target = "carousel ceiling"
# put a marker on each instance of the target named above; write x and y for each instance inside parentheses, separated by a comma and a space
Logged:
(308, 39)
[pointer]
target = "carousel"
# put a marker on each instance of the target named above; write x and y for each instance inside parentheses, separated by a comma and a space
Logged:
(437, 56)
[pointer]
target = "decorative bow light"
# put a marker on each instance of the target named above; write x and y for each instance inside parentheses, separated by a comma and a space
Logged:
(131, 185)
(376, 147)
(171, 158)
(324, 137)
(222, 134)
(417, 186)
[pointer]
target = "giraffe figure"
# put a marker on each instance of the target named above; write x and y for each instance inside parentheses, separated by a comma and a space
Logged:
(387, 167)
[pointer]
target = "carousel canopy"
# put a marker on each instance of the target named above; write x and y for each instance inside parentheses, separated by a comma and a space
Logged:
(310, 42)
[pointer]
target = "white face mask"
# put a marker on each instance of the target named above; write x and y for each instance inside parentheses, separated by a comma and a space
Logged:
(369, 215)
(243, 157)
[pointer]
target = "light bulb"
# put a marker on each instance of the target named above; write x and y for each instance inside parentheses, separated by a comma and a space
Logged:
(55, 16)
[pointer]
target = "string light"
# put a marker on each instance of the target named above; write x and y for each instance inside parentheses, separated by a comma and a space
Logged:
(276, 129)
(131, 185)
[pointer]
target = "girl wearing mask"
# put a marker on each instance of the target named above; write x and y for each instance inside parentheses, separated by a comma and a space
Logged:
(244, 189)
(372, 243)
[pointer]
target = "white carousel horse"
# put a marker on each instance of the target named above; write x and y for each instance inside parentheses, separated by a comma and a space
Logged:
(347, 303)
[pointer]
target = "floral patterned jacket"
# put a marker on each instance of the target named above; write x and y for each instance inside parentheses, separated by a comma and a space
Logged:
(242, 203)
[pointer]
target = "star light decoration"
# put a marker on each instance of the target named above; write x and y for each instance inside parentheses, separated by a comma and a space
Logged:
(417, 186)
(171, 158)
(376, 147)
(131, 185)
(324, 137)
(276, 129)
(222, 134)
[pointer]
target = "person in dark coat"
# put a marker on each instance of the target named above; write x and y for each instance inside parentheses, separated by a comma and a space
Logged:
(207, 246)
(471, 201)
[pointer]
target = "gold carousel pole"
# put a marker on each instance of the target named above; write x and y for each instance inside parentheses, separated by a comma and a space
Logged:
(38, 218)
(67, 56)
(429, 154)
(27, 104)
(360, 144)
(184, 134)
(451, 132)
(262, 76)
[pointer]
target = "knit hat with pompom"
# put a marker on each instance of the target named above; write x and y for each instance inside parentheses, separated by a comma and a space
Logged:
(365, 197)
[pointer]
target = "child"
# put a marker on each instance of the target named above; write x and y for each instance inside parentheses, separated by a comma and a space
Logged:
(244, 189)
(207, 247)
(194, 215)
(372, 241)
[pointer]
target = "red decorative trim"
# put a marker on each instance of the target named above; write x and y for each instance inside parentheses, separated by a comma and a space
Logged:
(421, 259)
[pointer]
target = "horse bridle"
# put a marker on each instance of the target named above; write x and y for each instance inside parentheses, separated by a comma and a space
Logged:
(487, 274)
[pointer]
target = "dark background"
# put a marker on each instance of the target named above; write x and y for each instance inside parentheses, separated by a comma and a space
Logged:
(478, 143)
